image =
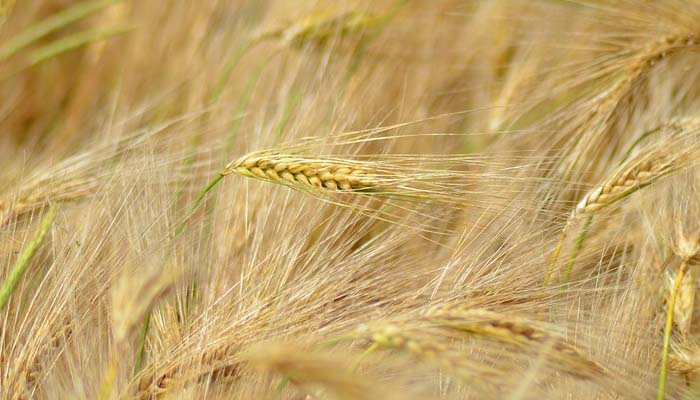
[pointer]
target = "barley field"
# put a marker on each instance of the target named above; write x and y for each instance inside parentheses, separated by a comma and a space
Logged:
(365, 199)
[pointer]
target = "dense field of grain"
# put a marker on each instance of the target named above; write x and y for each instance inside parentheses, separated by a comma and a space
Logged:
(388, 199)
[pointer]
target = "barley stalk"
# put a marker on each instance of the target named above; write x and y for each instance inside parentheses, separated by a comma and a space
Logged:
(631, 176)
(620, 185)
(431, 345)
(687, 249)
(429, 336)
(522, 332)
(305, 173)
(635, 175)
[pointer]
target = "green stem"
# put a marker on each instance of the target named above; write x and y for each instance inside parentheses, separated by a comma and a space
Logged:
(636, 143)
(228, 70)
(142, 344)
(667, 332)
(577, 247)
(17, 271)
(196, 204)
(363, 356)
(109, 378)
(555, 256)
(66, 44)
(74, 41)
(280, 387)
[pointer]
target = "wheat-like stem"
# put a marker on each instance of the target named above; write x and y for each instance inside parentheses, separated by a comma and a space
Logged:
(557, 251)
(578, 245)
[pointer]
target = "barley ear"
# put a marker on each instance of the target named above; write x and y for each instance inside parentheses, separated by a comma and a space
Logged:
(304, 173)
(667, 332)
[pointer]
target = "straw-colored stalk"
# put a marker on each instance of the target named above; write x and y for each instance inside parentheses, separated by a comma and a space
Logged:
(667, 331)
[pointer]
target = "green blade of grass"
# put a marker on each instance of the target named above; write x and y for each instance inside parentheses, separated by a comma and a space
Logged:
(555, 255)
(142, 344)
(244, 101)
(578, 245)
(72, 42)
(371, 349)
(196, 203)
(228, 70)
(50, 24)
(17, 271)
